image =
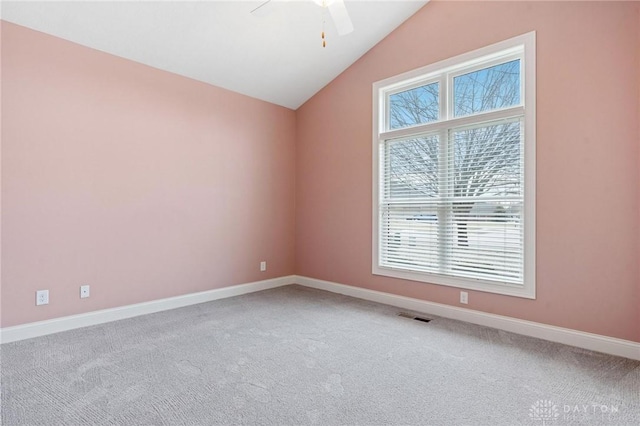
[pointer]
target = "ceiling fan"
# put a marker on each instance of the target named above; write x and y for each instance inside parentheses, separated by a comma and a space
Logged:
(337, 10)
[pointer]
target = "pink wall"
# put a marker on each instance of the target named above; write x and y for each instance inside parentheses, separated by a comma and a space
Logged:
(147, 185)
(638, 170)
(588, 74)
(141, 183)
(1, 22)
(638, 187)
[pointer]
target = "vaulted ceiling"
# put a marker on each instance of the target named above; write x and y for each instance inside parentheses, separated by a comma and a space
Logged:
(276, 55)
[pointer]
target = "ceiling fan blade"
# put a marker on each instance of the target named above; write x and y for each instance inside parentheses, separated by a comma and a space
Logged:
(263, 10)
(340, 16)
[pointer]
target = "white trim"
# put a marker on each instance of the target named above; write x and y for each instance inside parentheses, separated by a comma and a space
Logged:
(580, 339)
(521, 48)
(56, 325)
(530, 54)
(590, 341)
(489, 53)
(434, 127)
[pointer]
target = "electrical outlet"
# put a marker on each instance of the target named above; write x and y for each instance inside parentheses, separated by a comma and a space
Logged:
(464, 297)
(263, 265)
(42, 297)
(84, 291)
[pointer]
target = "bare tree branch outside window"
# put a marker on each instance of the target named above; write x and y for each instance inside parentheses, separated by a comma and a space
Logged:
(486, 159)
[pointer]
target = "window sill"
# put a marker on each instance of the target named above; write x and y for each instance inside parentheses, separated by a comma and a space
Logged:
(506, 289)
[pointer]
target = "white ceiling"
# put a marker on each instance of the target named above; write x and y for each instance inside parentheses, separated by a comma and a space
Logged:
(277, 58)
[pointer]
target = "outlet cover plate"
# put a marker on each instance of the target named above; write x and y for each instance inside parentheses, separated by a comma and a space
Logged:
(84, 291)
(42, 297)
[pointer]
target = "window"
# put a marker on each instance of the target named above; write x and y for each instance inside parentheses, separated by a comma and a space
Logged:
(454, 171)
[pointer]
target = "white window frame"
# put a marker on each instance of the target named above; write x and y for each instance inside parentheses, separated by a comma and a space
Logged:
(521, 47)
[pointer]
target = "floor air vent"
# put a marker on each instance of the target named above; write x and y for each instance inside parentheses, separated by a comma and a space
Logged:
(413, 317)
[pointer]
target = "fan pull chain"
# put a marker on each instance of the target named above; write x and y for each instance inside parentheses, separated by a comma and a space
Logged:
(324, 42)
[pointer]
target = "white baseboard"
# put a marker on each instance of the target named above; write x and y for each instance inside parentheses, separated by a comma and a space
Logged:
(56, 325)
(594, 342)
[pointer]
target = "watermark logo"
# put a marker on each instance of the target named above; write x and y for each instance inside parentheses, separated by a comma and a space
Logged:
(544, 411)
(590, 412)
(547, 412)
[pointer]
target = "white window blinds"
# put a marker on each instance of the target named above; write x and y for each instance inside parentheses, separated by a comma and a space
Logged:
(453, 190)
(453, 205)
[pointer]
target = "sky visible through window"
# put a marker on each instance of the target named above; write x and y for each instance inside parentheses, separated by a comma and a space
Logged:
(476, 192)
(487, 89)
(484, 90)
(416, 106)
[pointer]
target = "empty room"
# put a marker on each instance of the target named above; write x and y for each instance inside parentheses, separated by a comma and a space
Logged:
(320, 212)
